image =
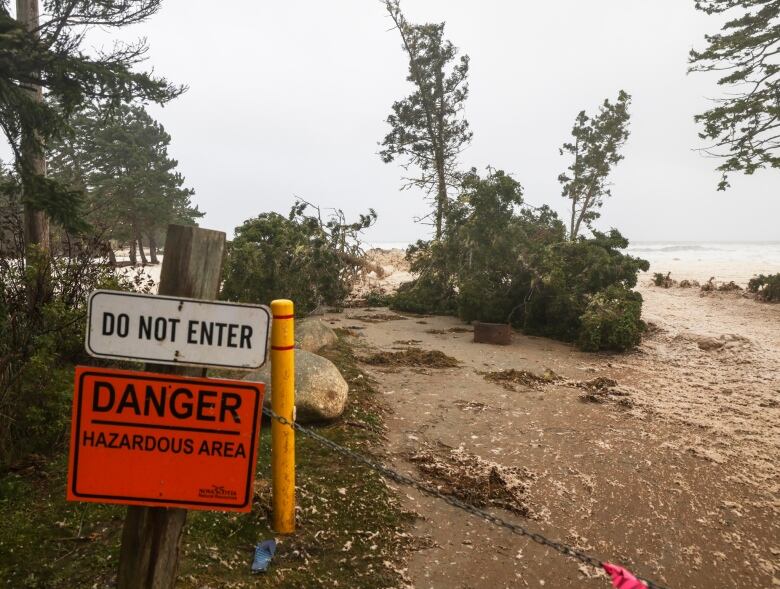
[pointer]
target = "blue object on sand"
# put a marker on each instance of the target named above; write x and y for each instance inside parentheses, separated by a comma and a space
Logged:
(264, 552)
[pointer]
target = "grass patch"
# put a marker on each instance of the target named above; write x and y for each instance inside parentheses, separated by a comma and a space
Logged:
(349, 522)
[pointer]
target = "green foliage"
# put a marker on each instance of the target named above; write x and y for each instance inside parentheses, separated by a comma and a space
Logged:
(492, 234)
(766, 288)
(39, 344)
(570, 274)
(595, 150)
(51, 57)
(474, 268)
(120, 160)
(663, 280)
(377, 298)
(742, 127)
(424, 296)
(612, 320)
(427, 128)
(500, 261)
(299, 257)
(63, 205)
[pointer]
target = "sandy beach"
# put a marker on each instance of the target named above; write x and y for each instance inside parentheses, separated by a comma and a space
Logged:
(673, 469)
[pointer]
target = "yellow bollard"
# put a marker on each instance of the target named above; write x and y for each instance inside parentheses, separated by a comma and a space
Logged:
(283, 404)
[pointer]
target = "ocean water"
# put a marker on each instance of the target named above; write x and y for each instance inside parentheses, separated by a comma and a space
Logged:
(726, 261)
(693, 260)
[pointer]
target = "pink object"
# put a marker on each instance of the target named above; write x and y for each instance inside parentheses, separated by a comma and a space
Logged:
(621, 578)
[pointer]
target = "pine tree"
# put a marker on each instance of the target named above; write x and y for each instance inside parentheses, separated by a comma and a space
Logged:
(427, 128)
(46, 74)
(595, 150)
(744, 126)
(120, 160)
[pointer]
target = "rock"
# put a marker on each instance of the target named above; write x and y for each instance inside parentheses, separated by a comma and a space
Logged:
(312, 335)
(320, 390)
(709, 343)
(729, 341)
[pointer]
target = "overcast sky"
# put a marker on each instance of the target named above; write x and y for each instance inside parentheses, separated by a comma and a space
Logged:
(290, 98)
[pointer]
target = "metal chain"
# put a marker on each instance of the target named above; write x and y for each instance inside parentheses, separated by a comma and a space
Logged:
(432, 491)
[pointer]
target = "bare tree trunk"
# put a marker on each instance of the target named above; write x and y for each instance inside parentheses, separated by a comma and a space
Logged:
(140, 241)
(586, 205)
(37, 242)
(36, 223)
(572, 232)
(441, 199)
(153, 249)
(133, 258)
(576, 228)
(111, 255)
(441, 196)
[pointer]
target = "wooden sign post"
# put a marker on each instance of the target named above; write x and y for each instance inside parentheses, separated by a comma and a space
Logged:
(151, 538)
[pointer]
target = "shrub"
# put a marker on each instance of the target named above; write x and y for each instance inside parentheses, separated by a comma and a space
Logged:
(612, 320)
(298, 257)
(424, 296)
(476, 269)
(729, 286)
(766, 288)
(39, 343)
(497, 237)
(571, 274)
(664, 280)
(500, 261)
(377, 297)
(433, 291)
(689, 283)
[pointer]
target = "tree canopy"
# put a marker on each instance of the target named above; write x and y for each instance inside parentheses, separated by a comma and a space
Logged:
(595, 151)
(49, 58)
(427, 128)
(120, 160)
(503, 261)
(743, 127)
(306, 258)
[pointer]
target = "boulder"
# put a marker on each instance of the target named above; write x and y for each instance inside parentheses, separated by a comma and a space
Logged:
(320, 390)
(312, 335)
(709, 343)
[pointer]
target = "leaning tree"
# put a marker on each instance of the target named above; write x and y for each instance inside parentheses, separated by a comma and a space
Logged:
(427, 128)
(594, 151)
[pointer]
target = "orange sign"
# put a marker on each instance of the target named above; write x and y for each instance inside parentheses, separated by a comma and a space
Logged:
(161, 440)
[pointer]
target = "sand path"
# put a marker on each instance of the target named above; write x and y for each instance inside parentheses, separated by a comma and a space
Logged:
(676, 476)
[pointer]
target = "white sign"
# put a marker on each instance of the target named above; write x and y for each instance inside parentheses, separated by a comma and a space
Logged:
(175, 330)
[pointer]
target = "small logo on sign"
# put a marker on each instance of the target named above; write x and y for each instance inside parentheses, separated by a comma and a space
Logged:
(217, 492)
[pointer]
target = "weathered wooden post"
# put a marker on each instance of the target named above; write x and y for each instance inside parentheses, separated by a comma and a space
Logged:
(151, 538)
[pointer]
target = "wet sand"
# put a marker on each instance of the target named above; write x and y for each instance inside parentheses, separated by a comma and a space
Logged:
(676, 474)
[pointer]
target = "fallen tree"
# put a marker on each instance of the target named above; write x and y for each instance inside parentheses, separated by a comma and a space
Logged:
(502, 261)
